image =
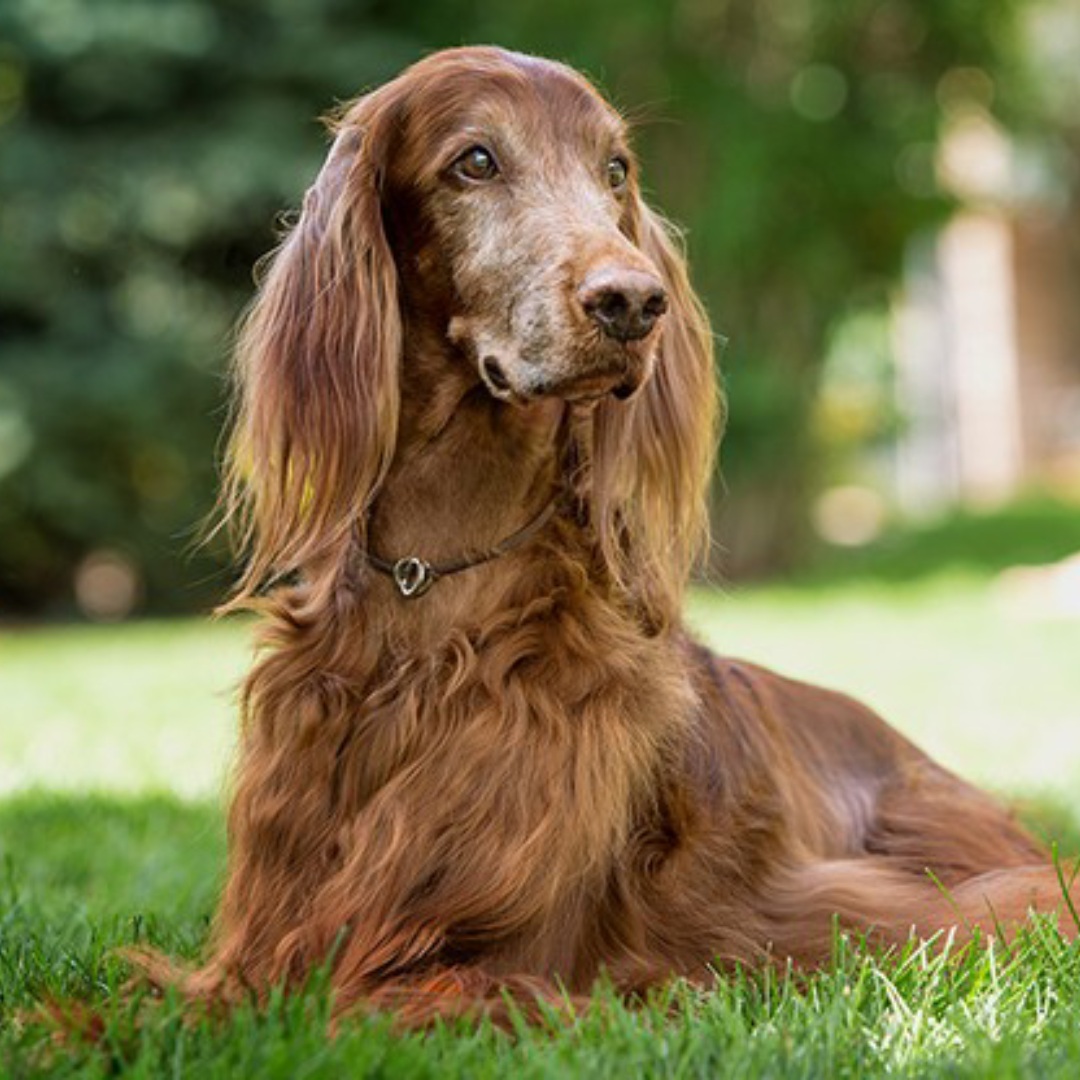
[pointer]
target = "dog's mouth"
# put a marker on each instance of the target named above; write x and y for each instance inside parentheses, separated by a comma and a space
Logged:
(522, 380)
(620, 384)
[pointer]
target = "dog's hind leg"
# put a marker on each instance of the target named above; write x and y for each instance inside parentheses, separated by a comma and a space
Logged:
(940, 855)
(926, 818)
(888, 906)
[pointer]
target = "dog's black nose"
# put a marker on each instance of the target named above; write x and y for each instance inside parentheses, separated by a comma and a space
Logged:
(625, 304)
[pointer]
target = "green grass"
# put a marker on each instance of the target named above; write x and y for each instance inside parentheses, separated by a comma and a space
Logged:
(113, 745)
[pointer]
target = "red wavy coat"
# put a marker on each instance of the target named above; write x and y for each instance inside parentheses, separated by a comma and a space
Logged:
(531, 774)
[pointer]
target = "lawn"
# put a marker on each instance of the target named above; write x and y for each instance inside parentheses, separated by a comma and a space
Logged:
(113, 746)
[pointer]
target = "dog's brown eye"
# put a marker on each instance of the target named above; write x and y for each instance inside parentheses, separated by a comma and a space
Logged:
(477, 164)
(617, 172)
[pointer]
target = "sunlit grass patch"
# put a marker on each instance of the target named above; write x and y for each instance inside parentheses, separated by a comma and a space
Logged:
(136, 707)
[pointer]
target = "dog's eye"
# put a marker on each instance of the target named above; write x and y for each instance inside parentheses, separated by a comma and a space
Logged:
(617, 172)
(477, 163)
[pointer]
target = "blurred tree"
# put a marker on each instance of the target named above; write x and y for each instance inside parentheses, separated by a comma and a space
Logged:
(146, 148)
(147, 145)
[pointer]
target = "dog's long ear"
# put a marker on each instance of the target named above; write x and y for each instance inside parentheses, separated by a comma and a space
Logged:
(317, 365)
(653, 456)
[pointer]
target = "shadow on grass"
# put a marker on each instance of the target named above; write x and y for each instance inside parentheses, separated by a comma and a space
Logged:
(108, 854)
(82, 875)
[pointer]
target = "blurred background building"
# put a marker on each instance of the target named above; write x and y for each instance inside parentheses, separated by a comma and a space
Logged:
(988, 344)
(881, 200)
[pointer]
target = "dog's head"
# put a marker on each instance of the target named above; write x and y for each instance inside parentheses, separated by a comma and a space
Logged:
(512, 203)
(486, 204)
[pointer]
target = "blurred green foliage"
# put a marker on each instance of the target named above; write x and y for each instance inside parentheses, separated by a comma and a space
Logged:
(1034, 531)
(147, 146)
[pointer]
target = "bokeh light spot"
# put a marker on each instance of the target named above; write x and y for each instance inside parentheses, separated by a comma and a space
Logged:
(818, 92)
(108, 586)
(849, 516)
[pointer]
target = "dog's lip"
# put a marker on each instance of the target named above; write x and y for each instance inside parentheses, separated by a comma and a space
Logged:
(620, 384)
(579, 391)
(498, 385)
(515, 382)
(495, 378)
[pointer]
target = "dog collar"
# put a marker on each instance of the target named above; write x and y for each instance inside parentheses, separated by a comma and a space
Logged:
(413, 576)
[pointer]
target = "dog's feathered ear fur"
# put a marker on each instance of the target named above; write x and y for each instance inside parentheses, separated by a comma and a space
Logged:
(317, 363)
(653, 456)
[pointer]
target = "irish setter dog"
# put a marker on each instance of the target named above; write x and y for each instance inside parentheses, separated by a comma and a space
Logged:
(480, 752)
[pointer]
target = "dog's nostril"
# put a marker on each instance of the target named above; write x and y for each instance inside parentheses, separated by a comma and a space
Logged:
(611, 306)
(494, 374)
(655, 305)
